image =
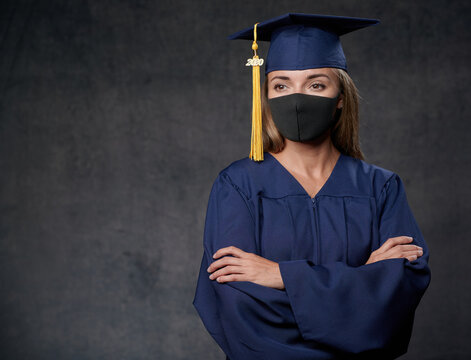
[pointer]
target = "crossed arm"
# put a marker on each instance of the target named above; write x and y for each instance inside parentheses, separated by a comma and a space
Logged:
(235, 264)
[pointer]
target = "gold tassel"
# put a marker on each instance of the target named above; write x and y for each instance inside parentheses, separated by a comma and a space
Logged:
(256, 143)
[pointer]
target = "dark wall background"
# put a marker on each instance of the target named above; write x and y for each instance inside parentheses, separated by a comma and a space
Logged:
(115, 118)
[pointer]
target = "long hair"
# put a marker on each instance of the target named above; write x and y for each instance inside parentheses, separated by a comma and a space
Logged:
(344, 135)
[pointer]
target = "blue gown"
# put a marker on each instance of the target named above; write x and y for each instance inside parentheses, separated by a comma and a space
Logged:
(333, 306)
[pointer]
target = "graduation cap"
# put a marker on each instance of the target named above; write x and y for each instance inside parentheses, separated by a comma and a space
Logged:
(297, 42)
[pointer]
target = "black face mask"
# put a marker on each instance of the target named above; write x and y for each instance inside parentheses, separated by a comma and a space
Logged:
(301, 117)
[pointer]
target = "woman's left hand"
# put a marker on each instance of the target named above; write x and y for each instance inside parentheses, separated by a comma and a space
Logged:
(244, 266)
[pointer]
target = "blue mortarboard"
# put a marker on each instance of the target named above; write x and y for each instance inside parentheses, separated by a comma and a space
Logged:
(304, 41)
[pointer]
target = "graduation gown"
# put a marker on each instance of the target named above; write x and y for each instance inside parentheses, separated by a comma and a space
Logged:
(333, 305)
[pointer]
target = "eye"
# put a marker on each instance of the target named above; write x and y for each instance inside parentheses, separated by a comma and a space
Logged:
(318, 86)
(279, 87)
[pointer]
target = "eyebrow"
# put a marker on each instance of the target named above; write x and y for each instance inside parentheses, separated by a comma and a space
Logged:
(312, 76)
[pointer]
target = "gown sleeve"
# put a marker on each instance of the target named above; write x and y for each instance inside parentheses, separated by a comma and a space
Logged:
(247, 320)
(366, 308)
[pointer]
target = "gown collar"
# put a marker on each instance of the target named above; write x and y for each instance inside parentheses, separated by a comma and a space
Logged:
(289, 183)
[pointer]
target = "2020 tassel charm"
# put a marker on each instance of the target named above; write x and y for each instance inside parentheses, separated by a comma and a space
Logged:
(256, 142)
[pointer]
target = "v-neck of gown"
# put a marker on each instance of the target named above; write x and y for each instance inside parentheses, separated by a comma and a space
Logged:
(299, 185)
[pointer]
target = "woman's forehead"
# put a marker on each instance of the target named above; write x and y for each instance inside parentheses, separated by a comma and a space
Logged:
(302, 74)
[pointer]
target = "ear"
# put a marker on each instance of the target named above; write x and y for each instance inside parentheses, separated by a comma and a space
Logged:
(340, 102)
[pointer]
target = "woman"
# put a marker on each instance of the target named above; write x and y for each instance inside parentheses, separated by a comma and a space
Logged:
(309, 251)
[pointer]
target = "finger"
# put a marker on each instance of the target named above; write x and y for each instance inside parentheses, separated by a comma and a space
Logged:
(406, 254)
(232, 277)
(227, 270)
(391, 242)
(397, 253)
(409, 247)
(412, 257)
(399, 249)
(227, 260)
(230, 250)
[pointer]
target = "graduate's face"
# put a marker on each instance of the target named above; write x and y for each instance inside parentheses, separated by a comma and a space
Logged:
(320, 82)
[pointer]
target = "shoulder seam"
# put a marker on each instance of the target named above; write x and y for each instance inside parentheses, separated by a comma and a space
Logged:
(244, 197)
(385, 187)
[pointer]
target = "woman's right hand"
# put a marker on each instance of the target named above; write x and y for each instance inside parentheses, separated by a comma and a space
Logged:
(396, 247)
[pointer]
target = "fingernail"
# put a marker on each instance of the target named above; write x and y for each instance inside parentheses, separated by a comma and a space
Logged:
(208, 270)
(211, 276)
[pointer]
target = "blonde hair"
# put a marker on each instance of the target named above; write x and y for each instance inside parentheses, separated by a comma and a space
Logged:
(345, 134)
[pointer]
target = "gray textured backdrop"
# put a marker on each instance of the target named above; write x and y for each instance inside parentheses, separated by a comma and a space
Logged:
(115, 118)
